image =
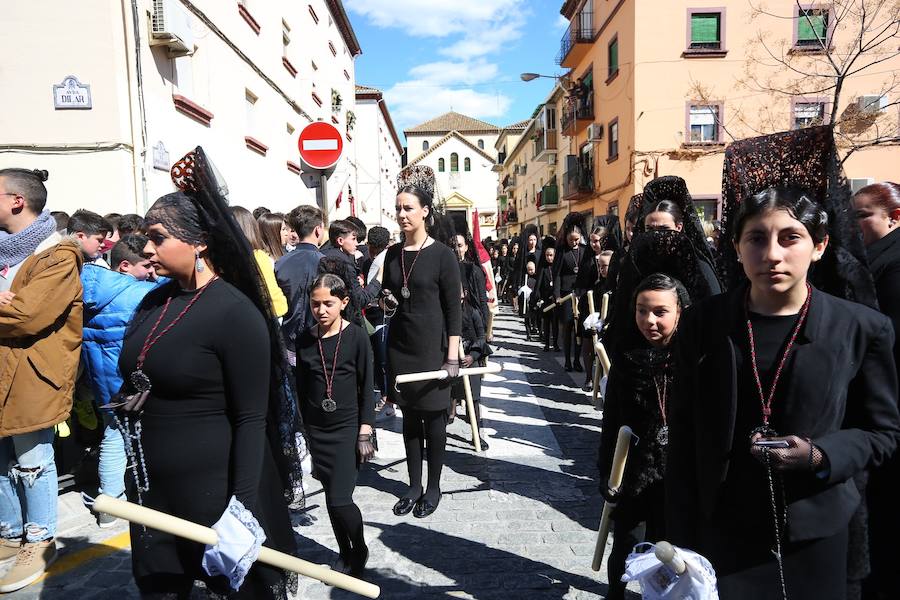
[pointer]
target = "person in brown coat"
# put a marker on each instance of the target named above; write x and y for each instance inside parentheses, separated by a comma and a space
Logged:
(40, 343)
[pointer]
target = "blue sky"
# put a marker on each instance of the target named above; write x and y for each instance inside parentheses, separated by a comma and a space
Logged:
(429, 56)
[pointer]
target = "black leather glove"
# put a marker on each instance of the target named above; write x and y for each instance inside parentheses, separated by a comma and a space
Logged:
(452, 368)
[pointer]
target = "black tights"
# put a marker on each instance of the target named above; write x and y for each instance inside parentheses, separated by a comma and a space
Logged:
(550, 329)
(347, 523)
(423, 428)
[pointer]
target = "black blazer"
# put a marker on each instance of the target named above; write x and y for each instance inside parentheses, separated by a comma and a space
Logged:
(884, 262)
(841, 393)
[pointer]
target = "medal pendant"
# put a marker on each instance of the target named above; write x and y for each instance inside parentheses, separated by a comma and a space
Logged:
(140, 382)
(662, 436)
(329, 405)
(404, 291)
(576, 269)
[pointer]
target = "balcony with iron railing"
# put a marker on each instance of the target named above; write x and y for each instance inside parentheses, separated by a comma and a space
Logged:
(579, 180)
(509, 182)
(548, 197)
(577, 114)
(544, 144)
(576, 42)
(512, 216)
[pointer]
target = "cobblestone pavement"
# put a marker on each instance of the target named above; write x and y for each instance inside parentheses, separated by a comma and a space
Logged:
(518, 521)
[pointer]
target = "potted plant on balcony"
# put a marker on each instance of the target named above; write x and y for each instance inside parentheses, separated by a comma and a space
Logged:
(351, 120)
(336, 101)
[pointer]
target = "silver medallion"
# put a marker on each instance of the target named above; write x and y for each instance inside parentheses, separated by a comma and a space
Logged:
(329, 405)
(140, 382)
(575, 269)
(662, 436)
(404, 291)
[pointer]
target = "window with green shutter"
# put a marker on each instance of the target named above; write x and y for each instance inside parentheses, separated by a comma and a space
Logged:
(706, 30)
(613, 57)
(812, 27)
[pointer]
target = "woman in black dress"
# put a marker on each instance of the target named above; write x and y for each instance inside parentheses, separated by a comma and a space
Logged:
(334, 376)
(570, 258)
(216, 410)
(544, 291)
(423, 275)
(877, 209)
(784, 393)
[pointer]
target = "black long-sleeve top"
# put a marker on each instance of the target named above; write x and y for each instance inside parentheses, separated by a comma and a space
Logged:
(564, 269)
(544, 287)
(205, 417)
(352, 388)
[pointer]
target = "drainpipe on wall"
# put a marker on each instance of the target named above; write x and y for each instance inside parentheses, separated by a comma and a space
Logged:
(136, 110)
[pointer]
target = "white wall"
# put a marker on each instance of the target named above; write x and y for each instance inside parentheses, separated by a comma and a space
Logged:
(378, 161)
(93, 41)
(478, 185)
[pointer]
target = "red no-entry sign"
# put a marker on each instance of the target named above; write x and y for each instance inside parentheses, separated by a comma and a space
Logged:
(320, 145)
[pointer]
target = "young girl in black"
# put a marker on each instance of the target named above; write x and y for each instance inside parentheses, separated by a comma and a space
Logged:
(637, 393)
(334, 369)
(784, 393)
(544, 292)
(476, 351)
(570, 258)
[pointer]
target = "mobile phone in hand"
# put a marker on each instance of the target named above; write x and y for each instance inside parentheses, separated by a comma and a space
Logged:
(764, 443)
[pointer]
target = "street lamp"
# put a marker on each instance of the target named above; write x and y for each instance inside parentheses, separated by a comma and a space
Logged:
(533, 76)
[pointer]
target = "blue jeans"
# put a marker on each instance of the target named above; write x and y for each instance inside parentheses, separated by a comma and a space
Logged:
(112, 458)
(28, 486)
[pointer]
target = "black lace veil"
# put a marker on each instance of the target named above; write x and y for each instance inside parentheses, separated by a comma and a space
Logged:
(807, 159)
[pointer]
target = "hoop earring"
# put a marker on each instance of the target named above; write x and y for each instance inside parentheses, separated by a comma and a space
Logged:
(198, 263)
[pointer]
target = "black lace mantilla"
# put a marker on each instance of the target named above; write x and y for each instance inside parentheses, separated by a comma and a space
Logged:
(807, 159)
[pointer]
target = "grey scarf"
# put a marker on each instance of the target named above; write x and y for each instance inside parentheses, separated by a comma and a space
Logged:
(16, 247)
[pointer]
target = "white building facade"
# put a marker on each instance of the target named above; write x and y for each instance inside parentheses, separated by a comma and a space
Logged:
(378, 159)
(240, 79)
(460, 150)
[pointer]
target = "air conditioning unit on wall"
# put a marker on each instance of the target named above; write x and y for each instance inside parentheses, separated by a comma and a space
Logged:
(551, 159)
(595, 132)
(171, 26)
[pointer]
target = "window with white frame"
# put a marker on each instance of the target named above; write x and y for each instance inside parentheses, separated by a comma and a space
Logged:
(704, 123)
(808, 114)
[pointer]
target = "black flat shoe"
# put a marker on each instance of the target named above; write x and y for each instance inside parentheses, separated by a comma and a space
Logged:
(587, 387)
(568, 368)
(579, 368)
(546, 348)
(556, 348)
(403, 506)
(341, 566)
(424, 508)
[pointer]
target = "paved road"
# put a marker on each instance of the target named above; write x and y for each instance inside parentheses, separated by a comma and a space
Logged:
(515, 522)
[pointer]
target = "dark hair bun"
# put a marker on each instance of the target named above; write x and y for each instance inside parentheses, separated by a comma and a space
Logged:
(41, 174)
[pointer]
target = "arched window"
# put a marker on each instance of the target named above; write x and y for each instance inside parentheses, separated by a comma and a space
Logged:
(424, 145)
(441, 168)
(454, 162)
(481, 144)
(467, 164)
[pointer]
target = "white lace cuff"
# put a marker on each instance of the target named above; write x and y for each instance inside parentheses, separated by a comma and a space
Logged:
(240, 538)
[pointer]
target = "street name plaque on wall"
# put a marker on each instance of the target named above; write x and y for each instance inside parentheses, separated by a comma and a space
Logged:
(161, 160)
(71, 93)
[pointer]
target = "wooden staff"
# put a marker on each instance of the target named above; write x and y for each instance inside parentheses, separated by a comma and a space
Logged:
(565, 298)
(615, 482)
(574, 304)
(207, 535)
(600, 349)
(604, 306)
(470, 405)
(442, 374)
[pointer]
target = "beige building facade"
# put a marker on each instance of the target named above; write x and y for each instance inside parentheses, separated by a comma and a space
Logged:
(530, 171)
(661, 88)
(239, 78)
